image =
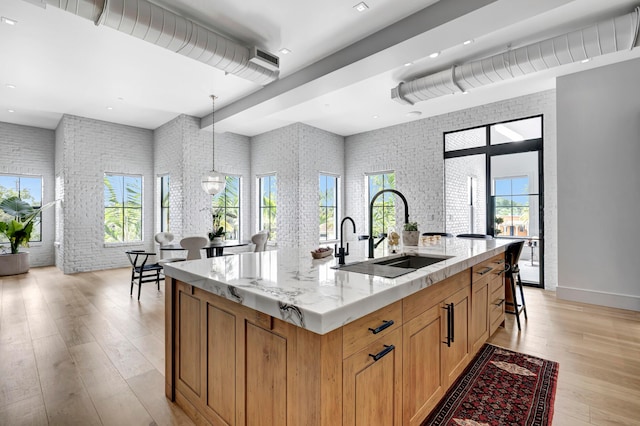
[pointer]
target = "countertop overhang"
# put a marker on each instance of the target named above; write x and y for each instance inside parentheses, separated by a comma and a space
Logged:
(290, 285)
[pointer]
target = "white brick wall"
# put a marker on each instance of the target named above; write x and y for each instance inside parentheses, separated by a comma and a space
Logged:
(296, 154)
(30, 151)
(415, 151)
(91, 148)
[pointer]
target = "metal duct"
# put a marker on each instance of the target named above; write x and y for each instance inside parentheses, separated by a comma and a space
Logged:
(608, 36)
(161, 27)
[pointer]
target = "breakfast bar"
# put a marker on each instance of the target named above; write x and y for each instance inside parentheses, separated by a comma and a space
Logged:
(279, 338)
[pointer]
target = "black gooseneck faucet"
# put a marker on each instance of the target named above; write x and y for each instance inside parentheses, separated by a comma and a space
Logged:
(406, 215)
(341, 253)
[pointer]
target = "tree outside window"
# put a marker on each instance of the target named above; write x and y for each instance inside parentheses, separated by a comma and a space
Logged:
(29, 190)
(328, 207)
(226, 207)
(384, 208)
(267, 211)
(122, 208)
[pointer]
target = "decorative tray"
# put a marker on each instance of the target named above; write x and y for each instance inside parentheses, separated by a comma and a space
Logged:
(322, 252)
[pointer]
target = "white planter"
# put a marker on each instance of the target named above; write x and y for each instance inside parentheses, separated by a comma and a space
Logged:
(14, 264)
(410, 238)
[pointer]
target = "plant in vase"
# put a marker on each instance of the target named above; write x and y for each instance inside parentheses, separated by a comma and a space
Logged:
(16, 225)
(410, 234)
(215, 236)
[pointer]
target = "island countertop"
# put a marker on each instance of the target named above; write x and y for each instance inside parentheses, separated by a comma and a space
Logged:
(290, 285)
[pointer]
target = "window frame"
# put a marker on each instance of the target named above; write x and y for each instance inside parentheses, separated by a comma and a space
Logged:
(165, 211)
(326, 206)
(261, 224)
(391, 197)
(225, 207)
(38, 221)
(124, 209)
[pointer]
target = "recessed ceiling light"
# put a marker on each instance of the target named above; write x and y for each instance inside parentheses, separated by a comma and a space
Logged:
(408, 64)
(10, 86)
(414, 114)
(10, 110)
(375, 116)
(361, 7)
(109, 108)
(467, 42)
(8, 21)
(434, 55)
(584, 61)
(284, 51)
(120, 98)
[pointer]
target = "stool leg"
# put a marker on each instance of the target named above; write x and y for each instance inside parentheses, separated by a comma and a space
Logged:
(139, 286)
(158, 279)
(524, 305)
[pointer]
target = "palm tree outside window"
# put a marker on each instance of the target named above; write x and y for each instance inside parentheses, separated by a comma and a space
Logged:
(226, 205)
(122, 208)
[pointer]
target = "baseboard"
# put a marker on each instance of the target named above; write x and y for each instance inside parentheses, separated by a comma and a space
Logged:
(612, 300)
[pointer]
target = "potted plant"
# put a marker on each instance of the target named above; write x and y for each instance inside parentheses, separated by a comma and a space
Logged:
(16, 225)
(215, 236)
(410, 234)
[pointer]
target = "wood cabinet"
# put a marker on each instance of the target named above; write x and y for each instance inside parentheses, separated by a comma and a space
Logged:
(372, 383)
(435, 348)
(227, 364)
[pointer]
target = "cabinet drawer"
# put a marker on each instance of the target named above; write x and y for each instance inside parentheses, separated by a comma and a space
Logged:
(490, 266)
(362, 332)
(496, 309)
(496, 283)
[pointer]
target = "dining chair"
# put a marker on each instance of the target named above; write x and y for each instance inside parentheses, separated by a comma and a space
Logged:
(442, 234)
(163, 239)
(476, 236)
(260, 241)
(142, 271)
(193, 245)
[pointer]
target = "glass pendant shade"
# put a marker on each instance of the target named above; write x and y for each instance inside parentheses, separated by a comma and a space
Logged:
(213, 182)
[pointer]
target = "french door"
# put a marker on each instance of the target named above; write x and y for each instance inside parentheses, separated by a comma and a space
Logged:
(494, 186)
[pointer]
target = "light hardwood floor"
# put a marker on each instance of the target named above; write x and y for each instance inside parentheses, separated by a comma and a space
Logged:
(76, 349)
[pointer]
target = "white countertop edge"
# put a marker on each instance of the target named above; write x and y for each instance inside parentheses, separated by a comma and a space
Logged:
(329, 320)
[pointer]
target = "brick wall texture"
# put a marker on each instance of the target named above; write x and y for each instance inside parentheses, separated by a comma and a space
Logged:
(78, 153)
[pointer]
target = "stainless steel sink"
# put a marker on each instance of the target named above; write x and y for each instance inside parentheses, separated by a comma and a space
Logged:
(391, 267)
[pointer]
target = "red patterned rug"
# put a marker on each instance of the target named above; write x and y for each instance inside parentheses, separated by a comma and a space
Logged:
(500, 387)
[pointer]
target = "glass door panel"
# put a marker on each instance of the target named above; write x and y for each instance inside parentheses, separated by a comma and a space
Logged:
(515, 207)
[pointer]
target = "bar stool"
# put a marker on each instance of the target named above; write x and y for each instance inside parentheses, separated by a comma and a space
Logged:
(512, 275)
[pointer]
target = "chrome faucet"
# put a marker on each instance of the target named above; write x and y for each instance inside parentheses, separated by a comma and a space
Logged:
(341, 252)
(406, 216)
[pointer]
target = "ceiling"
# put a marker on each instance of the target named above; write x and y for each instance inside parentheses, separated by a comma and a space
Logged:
(337, 77)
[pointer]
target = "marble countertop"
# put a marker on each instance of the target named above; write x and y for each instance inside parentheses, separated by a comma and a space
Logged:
(289, 284)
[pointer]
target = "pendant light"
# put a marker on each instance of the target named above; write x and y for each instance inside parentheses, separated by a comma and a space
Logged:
(213, 182)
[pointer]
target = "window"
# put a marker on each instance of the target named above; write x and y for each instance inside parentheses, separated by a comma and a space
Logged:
(226, 205)
(122, 208)
(328, 207)
(512, 206)
(267, 214)
(384, 208)
(164, 204)
(29, 190)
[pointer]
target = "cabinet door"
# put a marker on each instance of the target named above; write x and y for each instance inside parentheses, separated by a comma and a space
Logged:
(265, 377)
(456, 357)
(372, 393)
(479, 324)
(188, 355)
(422, 345)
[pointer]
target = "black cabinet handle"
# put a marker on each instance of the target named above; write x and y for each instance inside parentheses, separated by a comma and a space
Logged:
(453, 311)
(386, 350)
(448, 308)
(500, 272)
(499, 303)
(385, 324)
(485, 270)
(499, 262)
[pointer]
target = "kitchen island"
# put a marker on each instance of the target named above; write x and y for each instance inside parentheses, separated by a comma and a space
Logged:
(278, 338)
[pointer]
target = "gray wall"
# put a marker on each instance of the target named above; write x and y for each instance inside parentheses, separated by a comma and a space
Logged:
(599, 185)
